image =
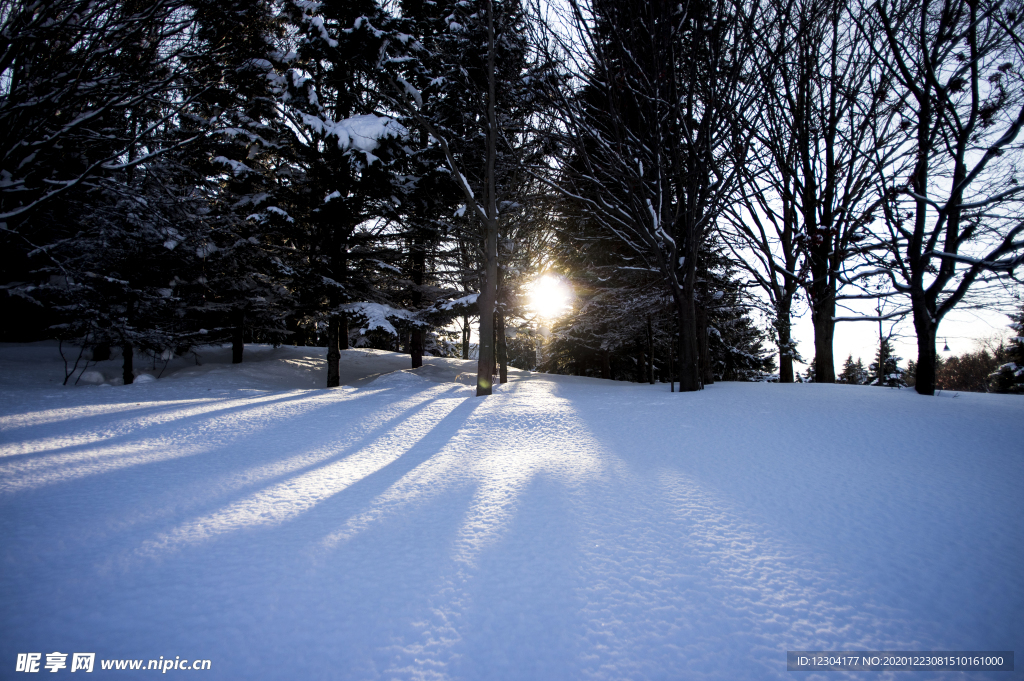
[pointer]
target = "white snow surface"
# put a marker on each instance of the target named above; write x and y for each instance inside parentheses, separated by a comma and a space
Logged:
(399, 527)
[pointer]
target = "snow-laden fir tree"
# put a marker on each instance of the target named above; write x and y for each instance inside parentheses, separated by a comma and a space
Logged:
(1009, 378)
(343, 188)
(247, 166)
(853, 373)
(885, 370)
(92, 197)
(471, 84)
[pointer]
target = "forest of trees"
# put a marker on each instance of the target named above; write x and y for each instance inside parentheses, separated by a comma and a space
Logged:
(175, 173)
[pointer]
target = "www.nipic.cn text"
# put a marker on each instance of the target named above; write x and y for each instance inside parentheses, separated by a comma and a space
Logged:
(86, 662)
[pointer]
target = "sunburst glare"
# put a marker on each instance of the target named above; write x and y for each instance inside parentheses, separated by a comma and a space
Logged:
(550, 296)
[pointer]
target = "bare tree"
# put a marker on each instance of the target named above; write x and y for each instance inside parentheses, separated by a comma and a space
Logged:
(957, 220)
(760, 229)
(827, 109)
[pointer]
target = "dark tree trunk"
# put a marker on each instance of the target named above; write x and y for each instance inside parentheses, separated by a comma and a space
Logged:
(238, 337)
(101, 352)
(824, 331)
(488, 298)
(702, 346)
(298, 335)
(689, 359)
(465, 336)
(926, 361)
(784, 329)
(485, 364)
(502, 348)
(650, 352)
(128, 369)
(606, 365)
(416, 347)
(343, 331)
(419, 265)
(333, 352)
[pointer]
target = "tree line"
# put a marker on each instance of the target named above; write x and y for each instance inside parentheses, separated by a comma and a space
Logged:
(180, 172)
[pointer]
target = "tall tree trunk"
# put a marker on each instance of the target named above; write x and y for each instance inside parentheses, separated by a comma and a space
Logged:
(783, 326)
(337, 321)
(485, 360)
(333, 352)
(419, 264)
(489, 288)
(641, 368)
(416, 347)
(606, 365)
(343, 331)
(822, 293)
(238, 336)
(689, 359)
(926, 361)
(502, 349)
(824, 331)
(465, 336)
(650, 351)
(703, 350)
(128, 369)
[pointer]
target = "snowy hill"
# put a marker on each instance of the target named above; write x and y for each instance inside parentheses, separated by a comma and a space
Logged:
(564, 528)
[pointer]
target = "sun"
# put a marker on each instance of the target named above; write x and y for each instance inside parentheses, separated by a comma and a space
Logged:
(550, 297)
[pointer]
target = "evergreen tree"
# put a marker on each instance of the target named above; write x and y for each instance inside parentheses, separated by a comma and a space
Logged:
(1009, 377)
(246, 167)
(885, 368)
(969, 372)
(853, 373)
(811, 371)
(471, 86)
(95, 200)
(343, 186)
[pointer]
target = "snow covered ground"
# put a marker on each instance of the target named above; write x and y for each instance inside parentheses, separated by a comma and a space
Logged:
(564, 528)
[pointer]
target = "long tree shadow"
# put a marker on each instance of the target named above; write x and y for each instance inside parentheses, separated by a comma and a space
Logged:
(126, 499)
(355, 507)
(137, 427)
(12, 422)
(180, 437)
(478, 547)
(291, 486)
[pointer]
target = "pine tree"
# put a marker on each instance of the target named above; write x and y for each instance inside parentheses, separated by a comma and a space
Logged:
(1009, 378)
(811, 371)
(853, 373)
(342, 188)
(246, 165)
(470, 85)
(885, 368)
(95, 200)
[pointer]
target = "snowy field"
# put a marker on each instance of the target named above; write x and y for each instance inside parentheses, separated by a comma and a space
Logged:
(564, 528)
